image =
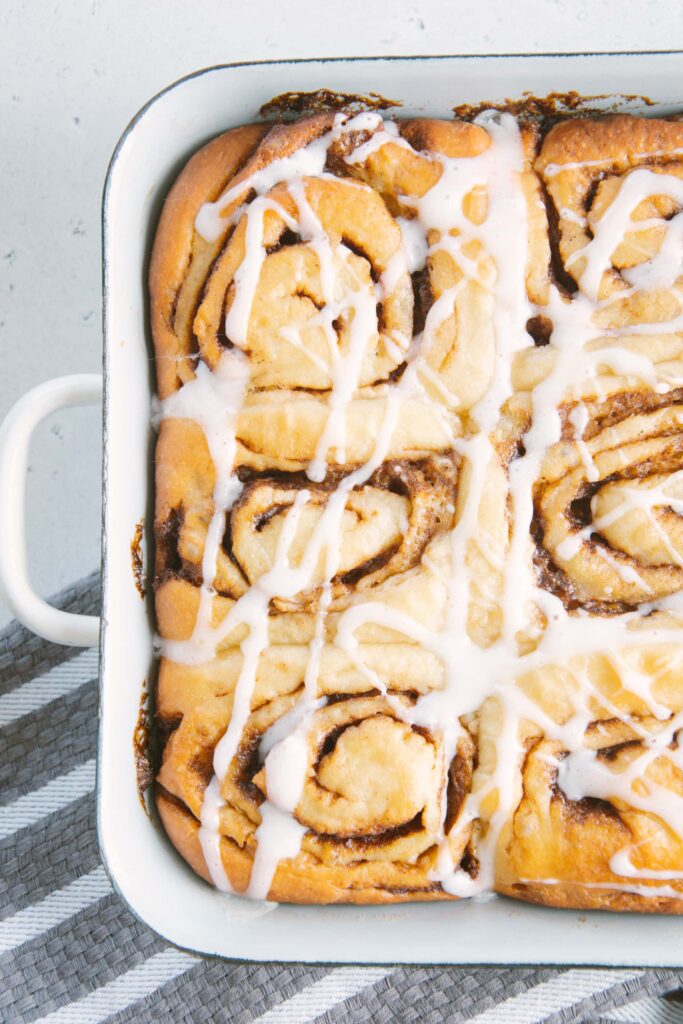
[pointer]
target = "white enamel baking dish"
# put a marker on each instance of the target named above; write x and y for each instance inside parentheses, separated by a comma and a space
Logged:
(158, 887)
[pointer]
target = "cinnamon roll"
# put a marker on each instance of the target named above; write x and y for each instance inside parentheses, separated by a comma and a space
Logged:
(608, 505)
(385, 526)
(454, 279)
(306, 253)
(614, 183)
(370, 804)
(595, 819)
(419, 486)
(396, 610)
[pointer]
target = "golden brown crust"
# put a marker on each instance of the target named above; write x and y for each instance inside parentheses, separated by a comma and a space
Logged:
(583, 164)
(577, 897)
(176, 244)
(563, 851)
(620, 138)
(365, 884)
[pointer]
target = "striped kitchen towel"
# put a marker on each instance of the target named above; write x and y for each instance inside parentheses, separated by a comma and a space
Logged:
(71, 953)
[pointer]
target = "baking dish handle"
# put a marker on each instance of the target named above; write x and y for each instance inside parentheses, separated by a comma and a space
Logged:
(15, 437)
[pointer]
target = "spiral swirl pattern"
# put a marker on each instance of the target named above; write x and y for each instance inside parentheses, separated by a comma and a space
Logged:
(418, 516)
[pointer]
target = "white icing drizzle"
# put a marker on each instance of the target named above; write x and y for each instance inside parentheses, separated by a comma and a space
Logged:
(414, 243)
(278, 836)
(637, 186)
(309, 161)
(553, 169)
(582, 774)
(209, 835)
(473, 673)
(648, 891)
(621, 864)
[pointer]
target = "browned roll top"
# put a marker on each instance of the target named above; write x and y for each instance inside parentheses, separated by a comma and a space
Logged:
(584, 163)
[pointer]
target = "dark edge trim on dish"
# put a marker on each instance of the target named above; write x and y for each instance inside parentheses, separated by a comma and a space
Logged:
(346, 60)
(132, 124)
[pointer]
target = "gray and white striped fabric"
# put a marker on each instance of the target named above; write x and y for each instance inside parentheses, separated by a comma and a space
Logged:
(70, 952)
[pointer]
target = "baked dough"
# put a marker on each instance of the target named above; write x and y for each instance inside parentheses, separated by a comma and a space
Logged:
(419, 487)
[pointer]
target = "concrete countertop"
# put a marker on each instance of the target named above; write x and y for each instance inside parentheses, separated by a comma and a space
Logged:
(73, 74)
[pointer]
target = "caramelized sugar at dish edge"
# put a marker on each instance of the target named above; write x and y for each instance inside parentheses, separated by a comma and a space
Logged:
(418, 512)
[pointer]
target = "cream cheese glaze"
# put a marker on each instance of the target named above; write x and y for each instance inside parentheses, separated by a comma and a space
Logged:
(536, 629)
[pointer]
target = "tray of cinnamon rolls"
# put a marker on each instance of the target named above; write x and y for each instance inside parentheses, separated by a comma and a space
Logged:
(418, 510)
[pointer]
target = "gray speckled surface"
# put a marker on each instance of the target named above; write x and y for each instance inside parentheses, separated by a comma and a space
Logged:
(72, 74)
